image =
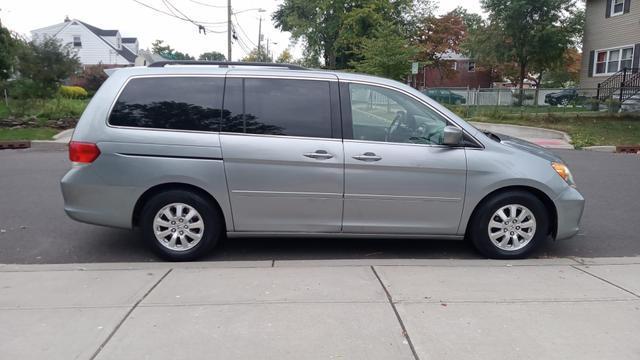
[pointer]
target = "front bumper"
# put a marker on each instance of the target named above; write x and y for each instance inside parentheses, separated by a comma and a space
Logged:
(569, 206)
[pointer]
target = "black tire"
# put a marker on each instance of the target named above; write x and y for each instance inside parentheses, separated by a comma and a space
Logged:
(478, 230)
(210, 216)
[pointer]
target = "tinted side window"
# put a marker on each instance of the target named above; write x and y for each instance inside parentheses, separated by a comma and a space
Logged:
(178, 103)
(278, 107)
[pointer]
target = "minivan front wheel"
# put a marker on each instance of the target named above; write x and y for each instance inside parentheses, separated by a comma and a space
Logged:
(180, 225)
(509, 225)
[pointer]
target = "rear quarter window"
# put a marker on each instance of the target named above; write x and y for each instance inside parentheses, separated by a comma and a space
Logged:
(285, 107)
(176, 103)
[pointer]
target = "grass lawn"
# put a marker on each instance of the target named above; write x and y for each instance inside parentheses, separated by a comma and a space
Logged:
(585, 129)
(28, 134)
(44, 109)
(497, 111)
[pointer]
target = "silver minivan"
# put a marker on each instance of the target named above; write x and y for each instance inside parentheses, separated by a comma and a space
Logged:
(193, 152)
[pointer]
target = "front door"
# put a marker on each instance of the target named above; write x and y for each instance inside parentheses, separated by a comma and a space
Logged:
(283, 158)
(399, 178)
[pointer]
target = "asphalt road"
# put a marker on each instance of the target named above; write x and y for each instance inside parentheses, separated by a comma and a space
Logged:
(35, 229)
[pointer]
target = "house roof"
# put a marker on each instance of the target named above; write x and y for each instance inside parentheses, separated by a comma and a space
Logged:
(450, 55)
(129, 55)
(102, 34)
(98, 31)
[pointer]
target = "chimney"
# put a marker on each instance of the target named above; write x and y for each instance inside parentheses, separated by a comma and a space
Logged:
(66, 19)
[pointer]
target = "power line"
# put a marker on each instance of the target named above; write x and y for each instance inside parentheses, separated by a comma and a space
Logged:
(209, 5)
(183, 17)
(221, 6)
(243, 32)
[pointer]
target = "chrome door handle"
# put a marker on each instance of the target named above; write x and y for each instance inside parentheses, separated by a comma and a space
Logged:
(318, 155)
(368, 156)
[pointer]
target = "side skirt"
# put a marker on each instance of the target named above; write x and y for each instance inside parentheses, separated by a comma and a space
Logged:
(247, 234)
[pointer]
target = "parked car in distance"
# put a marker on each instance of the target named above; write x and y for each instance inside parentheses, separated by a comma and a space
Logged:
(445, 96)
(564, 97)
(191, 154)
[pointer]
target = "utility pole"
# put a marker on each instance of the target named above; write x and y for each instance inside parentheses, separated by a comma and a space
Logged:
(266, 55)
(259, 37)
(228, 30)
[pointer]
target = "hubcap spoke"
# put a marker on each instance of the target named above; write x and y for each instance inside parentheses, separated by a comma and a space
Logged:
(178, 227)
(502, 215)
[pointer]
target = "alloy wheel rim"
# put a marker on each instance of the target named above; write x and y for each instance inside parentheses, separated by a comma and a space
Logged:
(512, 227)
(178, 227)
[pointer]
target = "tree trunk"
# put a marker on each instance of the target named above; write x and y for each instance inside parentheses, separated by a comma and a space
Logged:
(538, 82)
(523, 72)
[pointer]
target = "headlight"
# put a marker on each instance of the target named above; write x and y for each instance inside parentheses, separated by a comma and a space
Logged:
(564, 173)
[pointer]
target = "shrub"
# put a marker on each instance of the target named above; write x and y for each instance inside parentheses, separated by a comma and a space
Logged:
(525, 96)
(92, 77)
(73, 92)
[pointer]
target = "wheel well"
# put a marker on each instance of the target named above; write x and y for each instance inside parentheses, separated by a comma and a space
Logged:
(548, 204)
(151, 192)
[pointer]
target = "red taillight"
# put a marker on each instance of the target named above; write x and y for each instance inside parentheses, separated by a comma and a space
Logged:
(83, 152)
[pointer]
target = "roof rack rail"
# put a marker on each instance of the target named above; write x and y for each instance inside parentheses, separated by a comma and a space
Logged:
(224, 64)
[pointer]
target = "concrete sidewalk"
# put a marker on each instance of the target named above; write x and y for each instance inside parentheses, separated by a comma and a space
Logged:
(548, 138)
(337, 309)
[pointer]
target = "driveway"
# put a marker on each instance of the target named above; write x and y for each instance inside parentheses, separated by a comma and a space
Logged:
(35, 229)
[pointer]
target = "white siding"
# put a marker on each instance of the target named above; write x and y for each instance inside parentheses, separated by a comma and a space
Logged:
(603, 32)
(113, 40)
(94, 50)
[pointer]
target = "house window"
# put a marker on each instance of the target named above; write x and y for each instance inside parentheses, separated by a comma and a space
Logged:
(454, 65)
(614, 60)
(76, 41)
(472, 66)
(617, 7)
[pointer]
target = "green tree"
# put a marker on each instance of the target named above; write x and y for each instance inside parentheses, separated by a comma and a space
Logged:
(471, 21)
(258, 55)
(567, 73)
(333, 29)
(285, 57)
(212, 56)
(168, 52)
(386, 54)
(42, 66)
(8, 47)
(532, 34)
(158, 47)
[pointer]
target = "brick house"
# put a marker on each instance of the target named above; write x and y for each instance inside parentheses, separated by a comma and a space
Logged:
(465, 74)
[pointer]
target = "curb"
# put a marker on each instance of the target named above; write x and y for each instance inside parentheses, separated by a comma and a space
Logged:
(563, 261)
(601, 148)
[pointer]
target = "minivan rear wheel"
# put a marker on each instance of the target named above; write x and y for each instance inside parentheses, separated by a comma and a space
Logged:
(509, 225)
(180, 225)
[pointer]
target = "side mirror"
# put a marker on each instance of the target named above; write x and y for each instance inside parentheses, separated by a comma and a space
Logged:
(452, 136)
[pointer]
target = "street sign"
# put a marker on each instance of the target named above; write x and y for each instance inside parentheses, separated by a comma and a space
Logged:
(414, 68)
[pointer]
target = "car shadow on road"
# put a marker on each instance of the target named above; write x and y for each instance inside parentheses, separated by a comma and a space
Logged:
(111, 245)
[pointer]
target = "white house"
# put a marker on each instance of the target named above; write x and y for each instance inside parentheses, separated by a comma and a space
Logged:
(93, 45)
